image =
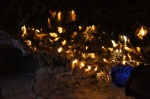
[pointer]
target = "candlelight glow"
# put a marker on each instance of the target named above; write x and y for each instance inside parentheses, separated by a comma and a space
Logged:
(80, 27)
(28, 42)
(60, 49)
(82, 64)
(74, 62)
(63, 42)
(88, 69)
(53, 34)
(138, 49)
(60, 29)
(59, 16)
(73, 15)
(114, 43)
(23, 28)
(105, 60)
(96, 68)
(142, 33)
(85, 48)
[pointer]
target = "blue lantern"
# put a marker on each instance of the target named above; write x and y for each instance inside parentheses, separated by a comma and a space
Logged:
(119, 74)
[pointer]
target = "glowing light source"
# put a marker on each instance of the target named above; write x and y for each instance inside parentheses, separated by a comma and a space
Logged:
(53, 34)
(74, 62)
(73, 15)
(142, 33)
(138, 49)
(60, 49)
(23, 28)
(88, 69)
(28, 42)
(80, 27)
(114, 43)
(82, 64)
(60, 29)
(63, 42)
(59, 16)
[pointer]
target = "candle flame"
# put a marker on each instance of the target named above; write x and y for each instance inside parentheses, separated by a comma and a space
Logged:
(88, 69)
(82, 64)
(80, 27)
(23, 28)
(73, 15)
(142, 33)
(60, 49)
(28, 42)
(59, 16)
(75, 61)
(53, 34)
(138, 49)
(114, 43)
(60, 29)
(63, 42)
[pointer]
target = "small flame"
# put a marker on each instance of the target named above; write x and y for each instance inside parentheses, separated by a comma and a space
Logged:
(88, 69)
(59, 16)
(75, 61)
(138, 49)
(114, 43)
(53, 34)
(93, 28)
(60, 49)
(28, 42)
(37, 30)
(63, 42)
(73, 15)
(80, 27)
(125, 39)
(56, 39)
(91, 55)
(82, 64)
(86, 47)
(124, 62)
(129, 57)
(105, 60)
(142, 33)
(96, 68)
(60, 29)
(23, 28)
(111, 49)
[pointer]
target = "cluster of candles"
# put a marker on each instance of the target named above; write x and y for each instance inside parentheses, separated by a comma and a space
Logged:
(81, 58)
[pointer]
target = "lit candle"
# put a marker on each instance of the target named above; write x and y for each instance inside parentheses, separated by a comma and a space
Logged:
(74, 62)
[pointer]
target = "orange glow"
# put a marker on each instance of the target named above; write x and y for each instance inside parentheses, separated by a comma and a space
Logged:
(82, 64)
(138, 49)
(24, 30)
(63, 42)
(60, 29)
(88, 69)
(73, 15)
(28, 42)
(142, 33)
(80, 27)
(59, 16)
(60, 49)
(74, 62)
(53, 34)
(114, 43)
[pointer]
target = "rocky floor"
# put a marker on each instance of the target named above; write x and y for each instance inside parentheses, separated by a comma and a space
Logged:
(19, 86)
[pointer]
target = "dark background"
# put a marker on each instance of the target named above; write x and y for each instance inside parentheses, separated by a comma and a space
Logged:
(119, 16)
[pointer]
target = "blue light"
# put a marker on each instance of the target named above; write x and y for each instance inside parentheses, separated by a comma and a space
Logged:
(119, 74)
